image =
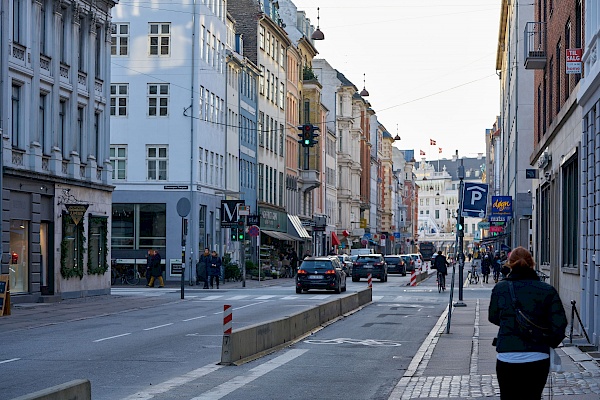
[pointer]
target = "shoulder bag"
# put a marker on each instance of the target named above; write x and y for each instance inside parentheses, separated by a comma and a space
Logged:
(526, 326)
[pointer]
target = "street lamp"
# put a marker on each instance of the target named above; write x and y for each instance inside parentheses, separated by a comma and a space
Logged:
(317, 34)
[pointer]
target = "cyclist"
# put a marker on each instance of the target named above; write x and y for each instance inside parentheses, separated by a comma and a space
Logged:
(441, 265)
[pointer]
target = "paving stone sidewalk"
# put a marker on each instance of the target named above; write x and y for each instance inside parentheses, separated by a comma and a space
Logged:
(461, 364)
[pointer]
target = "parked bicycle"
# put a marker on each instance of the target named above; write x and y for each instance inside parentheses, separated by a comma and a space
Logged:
(125, 274)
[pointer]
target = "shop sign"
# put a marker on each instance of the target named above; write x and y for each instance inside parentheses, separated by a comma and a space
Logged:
(501, 205)
(573, 65)
(272, 220)
(76, 211)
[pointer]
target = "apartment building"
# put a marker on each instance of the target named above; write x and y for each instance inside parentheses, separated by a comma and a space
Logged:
(54, 121)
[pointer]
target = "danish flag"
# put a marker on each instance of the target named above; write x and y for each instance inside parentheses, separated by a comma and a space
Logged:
(431, 142)
(422, 152)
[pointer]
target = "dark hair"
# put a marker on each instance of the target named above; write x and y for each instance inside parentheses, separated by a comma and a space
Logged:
(439, 252)
(520, 258)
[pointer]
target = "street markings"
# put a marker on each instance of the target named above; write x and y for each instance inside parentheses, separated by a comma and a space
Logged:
(111, 337)
(159, 326)
(266, 297)
(11, 360)
(240, 381)
(364, 342)
(208, 298)
(194, 318)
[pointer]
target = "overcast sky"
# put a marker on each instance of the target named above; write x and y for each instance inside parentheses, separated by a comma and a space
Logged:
(429, 65)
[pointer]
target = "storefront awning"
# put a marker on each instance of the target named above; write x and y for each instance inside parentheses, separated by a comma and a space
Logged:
(280, 235)
(296, 229)
(335, 241)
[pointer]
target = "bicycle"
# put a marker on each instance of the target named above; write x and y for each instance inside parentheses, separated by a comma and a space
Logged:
(125, 274)
(441, 282)
(473, 276)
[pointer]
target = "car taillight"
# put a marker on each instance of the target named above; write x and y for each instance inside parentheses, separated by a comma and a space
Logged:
(302, 272)
(379, 264)
(330, 272)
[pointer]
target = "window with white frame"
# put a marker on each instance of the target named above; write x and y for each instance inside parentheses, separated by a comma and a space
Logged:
(200, 164)
(119, 41)
(281, 94)
(80, 131)
(18, 11)
(98, 51)
(205, 166)
(16, 115)
(42, 120)
(81, 50)
(281, 56)
(158, 99)
(119, 98)
(156, 159)
(261, 125)
(201, 105)
(212, 168)
(281, 139)
(43, 28)
(159, 39)
(261, 84)
(118, 160)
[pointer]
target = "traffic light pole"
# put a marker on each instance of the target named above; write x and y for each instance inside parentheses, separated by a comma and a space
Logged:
(461, 234)
(243, 255)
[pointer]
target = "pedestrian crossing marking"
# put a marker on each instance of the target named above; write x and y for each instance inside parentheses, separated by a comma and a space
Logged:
(320, 297)
(238, 297)
(266, 297)
(375, 298)
(208, 298)
(290, 297)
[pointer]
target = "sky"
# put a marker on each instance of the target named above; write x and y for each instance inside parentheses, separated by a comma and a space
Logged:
(429, 66)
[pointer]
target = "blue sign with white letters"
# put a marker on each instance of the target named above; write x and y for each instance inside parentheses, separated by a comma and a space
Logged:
(474, 202)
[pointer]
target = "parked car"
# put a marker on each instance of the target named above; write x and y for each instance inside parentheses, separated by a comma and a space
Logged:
(395, 264)
(366, 264)
(346, 263)
(417, 259)
(321, 273)
(358, 252)
(409, 262)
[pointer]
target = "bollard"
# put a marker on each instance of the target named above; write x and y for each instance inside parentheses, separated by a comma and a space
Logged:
(370, 280)
(413, 278)
(227, 318)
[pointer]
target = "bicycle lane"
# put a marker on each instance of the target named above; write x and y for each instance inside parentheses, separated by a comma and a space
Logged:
(363, 354)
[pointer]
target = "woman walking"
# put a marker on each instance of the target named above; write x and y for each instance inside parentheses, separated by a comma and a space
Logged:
(523, 360)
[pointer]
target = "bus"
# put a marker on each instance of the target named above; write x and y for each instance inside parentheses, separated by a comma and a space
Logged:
(427, 250)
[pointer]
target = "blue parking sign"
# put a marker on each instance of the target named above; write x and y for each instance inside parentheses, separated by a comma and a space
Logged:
(474, 199)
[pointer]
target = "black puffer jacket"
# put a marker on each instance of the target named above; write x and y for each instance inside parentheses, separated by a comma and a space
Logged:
(536, 299)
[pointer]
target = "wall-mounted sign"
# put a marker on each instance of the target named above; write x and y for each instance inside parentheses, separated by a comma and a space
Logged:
(501, 205)
(176, 267)
(76, 211)
(573, 65)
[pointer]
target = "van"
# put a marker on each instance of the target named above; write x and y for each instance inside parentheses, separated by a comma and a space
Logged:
(360, 252)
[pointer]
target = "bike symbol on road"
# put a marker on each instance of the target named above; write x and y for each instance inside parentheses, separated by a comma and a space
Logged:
(366, 342)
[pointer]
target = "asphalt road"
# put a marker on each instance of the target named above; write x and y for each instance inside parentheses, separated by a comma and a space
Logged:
(172, 350)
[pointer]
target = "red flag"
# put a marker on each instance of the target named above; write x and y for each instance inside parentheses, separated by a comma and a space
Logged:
(431, 142)
(422, 152)
(440, 149)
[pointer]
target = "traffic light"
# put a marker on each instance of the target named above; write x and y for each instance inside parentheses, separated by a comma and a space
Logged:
(314, 135)
(241, 235)
(305, 135)
(461, 227)
(234, 234)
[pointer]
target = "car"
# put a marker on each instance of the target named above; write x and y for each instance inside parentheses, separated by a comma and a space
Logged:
(346, 263)
(366, 264)
(321, 273)
(409, 262)
(418, 260)
(395, 264)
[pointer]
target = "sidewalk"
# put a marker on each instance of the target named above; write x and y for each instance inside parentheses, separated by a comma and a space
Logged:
(462, 364)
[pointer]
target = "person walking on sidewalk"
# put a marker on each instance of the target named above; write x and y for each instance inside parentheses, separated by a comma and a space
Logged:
(486, 263)
(156, 270)
(203, 268)
(523, 360)
(215, 268)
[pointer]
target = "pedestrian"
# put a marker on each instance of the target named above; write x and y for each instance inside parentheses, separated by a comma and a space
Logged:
(293, 257)
(497, 268)
(523, 359)
(486, 264)
(156, 270)
(203, 267)
(469, 256)
(215, 268)
(148, 267)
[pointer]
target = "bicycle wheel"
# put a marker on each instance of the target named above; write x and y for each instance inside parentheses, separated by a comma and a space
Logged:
(439, 282)
(131, 277)
(443, 279)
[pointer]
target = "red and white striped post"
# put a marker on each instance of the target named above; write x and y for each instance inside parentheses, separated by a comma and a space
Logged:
(370, 281)
(227, 317)
(413, 278)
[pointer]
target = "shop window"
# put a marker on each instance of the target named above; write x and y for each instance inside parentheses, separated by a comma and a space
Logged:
(18, 269)
(139, 226)
(71, 248)
(97, 242)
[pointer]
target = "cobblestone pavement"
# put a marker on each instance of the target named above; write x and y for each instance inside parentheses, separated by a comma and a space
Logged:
(427, 376)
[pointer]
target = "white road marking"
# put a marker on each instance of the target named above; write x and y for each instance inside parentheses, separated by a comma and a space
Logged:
(191, 319)
(111, 337)
(164, 387)
(320, 297)
(210, 298)
(11, 360)
(290, 297)
(239, 381)
(159, 326)
(248, 305)
(270, 296)
(238, 297)
(375, 298)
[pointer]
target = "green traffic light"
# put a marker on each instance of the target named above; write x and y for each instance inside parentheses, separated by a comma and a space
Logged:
(307, 142)
(241, 237)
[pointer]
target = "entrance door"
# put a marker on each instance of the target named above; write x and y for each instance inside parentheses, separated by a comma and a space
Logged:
(46, 262)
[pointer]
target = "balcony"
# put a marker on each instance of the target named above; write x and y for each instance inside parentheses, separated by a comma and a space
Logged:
(309, 180)
(535, 45)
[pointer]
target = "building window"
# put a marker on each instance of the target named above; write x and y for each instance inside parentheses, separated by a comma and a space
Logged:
(119, 97)
(261, 182)
(139, 226)
(43, 28)
(157, 163)
(63, 39)
(82, 42)
(16, 115)
(544, 225)
(281, 140)
(558, 77)
(570, 211)
(118, 160)
(17, 11)
(18, 270)
(119, 41)
(158, 99)
(97, 246)
(281, 189)
(42, 121)
(159, 39)
(80, 130)
(62, 128)
(261, 124)
(95, 142)
(98, 57)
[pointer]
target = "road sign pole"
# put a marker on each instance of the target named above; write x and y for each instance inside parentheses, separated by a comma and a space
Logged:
(461, 255)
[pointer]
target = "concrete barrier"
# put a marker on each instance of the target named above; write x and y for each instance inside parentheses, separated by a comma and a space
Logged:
(248, 342)
(80, 389)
